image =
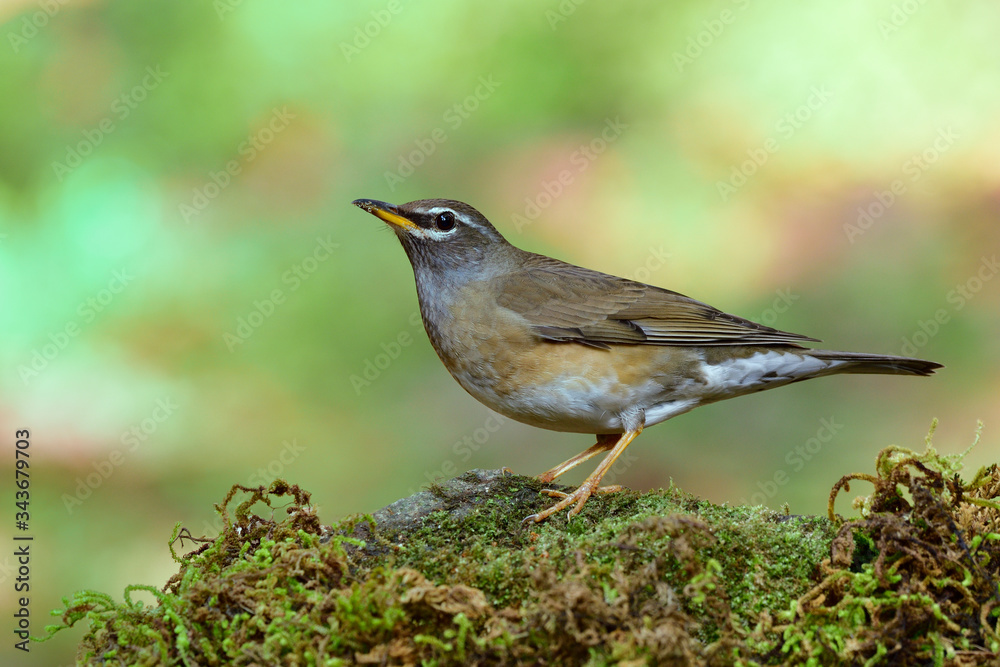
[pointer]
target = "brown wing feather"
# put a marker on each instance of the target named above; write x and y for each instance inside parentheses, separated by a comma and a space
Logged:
(566, 302)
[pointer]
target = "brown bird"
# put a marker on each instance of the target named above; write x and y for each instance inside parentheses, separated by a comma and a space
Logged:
(566, 348)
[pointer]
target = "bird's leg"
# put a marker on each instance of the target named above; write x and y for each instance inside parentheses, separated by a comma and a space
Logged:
(604, 443)
(592, 483)
(601, 490)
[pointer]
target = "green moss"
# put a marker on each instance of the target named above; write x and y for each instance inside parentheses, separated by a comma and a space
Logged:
(451, 576)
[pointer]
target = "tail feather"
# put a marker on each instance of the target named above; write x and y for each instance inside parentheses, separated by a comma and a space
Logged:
(859, 362)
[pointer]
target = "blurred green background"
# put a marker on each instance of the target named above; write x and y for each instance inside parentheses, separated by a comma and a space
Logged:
(190, 301)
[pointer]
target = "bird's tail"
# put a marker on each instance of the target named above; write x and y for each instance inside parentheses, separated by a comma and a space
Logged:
(883, 364)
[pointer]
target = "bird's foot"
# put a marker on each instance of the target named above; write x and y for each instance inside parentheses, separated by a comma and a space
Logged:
(579, 497)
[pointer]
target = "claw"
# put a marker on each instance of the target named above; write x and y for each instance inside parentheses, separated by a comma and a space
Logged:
(590, 485)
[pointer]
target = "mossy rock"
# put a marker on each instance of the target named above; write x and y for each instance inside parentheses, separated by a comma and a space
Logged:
(451, 576)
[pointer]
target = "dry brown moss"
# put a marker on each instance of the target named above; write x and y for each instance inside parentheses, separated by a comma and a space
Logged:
(918, 573)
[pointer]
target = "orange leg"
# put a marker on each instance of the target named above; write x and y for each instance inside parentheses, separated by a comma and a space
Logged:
(604, 443)
(590, 485)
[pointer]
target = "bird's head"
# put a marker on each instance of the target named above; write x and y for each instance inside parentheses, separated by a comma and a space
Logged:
(441, 235)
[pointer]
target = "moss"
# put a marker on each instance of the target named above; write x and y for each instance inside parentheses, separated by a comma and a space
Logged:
(451, 576)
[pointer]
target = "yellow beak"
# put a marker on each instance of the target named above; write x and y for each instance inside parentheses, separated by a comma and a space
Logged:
(387, 212)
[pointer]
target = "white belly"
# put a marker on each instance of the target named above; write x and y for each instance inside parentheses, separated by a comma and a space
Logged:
(578, 404)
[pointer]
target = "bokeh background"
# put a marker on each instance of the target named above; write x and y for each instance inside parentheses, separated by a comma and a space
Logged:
(189, 300)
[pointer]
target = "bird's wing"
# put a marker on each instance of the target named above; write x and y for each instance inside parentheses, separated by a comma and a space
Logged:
(570, 303)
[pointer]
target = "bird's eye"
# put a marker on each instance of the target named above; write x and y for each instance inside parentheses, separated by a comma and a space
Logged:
(445, 221)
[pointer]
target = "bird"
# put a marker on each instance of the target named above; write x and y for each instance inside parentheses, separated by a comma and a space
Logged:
(571, 349)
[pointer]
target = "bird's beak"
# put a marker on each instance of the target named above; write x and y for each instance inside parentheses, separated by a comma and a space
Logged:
(387, 212)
